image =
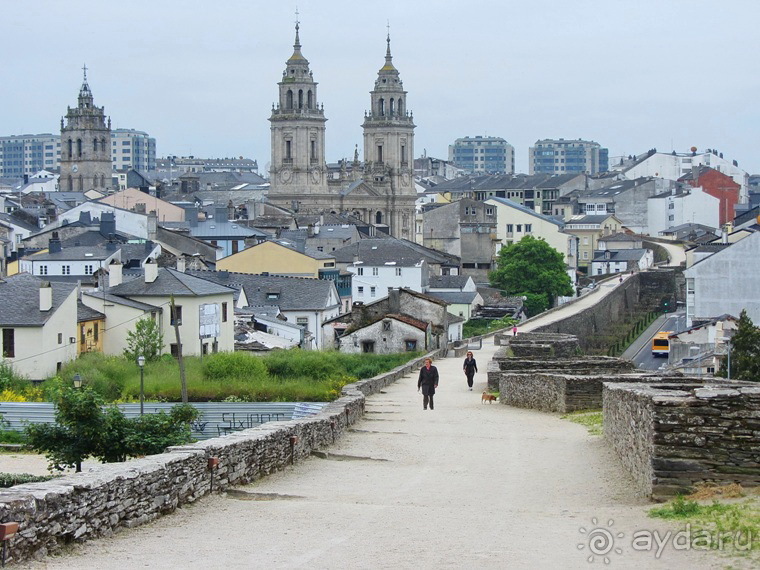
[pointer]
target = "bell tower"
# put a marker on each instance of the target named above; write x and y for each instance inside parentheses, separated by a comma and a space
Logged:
(389, 131)
(86, 162)
(297, 122)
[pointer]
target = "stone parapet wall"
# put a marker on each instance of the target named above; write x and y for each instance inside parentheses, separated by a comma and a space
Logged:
(539, 345)
(81, 506)
(671, 437)
(563, 393)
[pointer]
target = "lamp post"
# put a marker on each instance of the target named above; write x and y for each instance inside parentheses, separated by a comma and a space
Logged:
(141, 364)
(77, 381)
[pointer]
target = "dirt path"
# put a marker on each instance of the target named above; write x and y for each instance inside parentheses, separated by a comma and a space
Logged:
(468, 485)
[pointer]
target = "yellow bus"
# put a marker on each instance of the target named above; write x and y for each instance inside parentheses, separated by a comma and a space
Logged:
(661, 343)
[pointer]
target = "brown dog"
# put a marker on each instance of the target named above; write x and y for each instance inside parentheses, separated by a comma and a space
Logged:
(486, 397)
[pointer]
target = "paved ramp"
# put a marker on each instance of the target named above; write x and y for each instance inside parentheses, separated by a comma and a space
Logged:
(468, 485)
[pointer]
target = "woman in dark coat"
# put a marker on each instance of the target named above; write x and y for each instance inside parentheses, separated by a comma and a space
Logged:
(427, 382)
(470, 367)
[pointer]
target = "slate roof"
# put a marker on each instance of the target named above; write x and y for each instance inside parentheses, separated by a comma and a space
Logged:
(618, 187)
(11, 219)
(170, 282)
(458, 297)
(75, 254)
(448, 281)
(292, 293)
(216, 229)
(391, 251)
(620, 236)
(300, 247)
(20, 300)
(592, 219)
(123, 301)
(422, 325)
(85, 313)
(620, 255)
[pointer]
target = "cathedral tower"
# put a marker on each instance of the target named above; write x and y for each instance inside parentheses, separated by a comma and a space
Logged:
(298, 168)
(389, 146)
(86, 162)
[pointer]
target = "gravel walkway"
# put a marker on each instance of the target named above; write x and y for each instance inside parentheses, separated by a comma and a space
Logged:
(468, 485)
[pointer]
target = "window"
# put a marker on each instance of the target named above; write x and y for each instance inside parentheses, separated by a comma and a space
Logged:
(519, 228)
(510, 228)
(224, 312)
(360, 271)
(386, 325)
(95, 332)
(43, 270)
(176, 315)
(528, 228)
(371, 291)
(398, 272)
(375, 271)
(585, 255)
(60, 337)
(173, 349)
(585, 240)
(320, 248)
(360, 291)
(302, 321)
(9, 343)
(88, 269)
(368, 346)
(690, 286)
(489, 211)
(411, 345)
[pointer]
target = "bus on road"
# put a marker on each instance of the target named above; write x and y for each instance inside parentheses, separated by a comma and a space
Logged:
(661, 343)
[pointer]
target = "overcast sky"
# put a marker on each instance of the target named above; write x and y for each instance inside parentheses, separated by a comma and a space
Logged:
(201, 76)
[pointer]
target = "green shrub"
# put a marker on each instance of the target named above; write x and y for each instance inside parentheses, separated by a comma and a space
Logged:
(228, 365)
(11, 479)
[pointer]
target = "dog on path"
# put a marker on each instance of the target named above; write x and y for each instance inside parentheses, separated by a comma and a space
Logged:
(486, 397)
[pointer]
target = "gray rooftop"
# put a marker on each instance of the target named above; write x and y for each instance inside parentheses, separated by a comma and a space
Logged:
(458, 297)
(20, 300)
(288, 293)
(122, 301)
(448, 281)
(170, 282)
(382, 251)
(620, 255)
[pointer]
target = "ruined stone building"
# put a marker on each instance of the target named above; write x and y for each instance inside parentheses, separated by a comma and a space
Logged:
(85, 146)
(380, 191)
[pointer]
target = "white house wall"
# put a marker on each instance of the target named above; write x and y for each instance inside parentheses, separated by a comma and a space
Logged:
(120, 319)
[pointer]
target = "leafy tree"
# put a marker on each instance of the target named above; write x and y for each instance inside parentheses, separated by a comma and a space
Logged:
(533, 268)
(145, 340)
(745, 351)
(84, 429)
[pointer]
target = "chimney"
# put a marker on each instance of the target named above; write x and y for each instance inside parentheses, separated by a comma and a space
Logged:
(191, 215)
(110, 244)
(114, 273)
(152, 226)
(394, 300)
(181, 264)
(151, 270)
(230, 210)
(46, 296)
(694, 174)
(220, 214)
(54, 244)
(107, 224)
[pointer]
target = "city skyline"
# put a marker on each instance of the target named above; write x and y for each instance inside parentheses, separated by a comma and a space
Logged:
(202, 80)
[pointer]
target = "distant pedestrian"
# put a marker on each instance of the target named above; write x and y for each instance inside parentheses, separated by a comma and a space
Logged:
(470, 367)
(428, 382)
(621, 278)
(514, 330)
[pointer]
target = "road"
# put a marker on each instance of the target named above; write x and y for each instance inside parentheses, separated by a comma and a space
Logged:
(640, 351)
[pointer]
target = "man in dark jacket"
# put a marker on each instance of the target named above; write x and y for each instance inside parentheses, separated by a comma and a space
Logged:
(427, 382)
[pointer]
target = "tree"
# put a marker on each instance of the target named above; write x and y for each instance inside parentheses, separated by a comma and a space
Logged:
(145, 340)
(532, 267)
(84, 429)
(745, 351)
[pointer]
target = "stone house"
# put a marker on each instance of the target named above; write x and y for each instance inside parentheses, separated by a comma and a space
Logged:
(388, 335)
(465, 228)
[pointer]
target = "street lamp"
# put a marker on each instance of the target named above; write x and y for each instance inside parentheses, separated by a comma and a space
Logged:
(141, 364)
(77, 381)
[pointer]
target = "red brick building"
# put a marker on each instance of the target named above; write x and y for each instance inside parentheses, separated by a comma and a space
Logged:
(716, 184)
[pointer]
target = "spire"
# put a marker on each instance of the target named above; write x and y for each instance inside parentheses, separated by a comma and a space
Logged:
(85, 95)
(297, 55)
(388, 57)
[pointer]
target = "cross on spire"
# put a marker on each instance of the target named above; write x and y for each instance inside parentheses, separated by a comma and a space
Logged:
(84, 68)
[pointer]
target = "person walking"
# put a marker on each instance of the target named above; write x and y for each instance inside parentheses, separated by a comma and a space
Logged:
(514, 330)
(427, 382)
(470, 367)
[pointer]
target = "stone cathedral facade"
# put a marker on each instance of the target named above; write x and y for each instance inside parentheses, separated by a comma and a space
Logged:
(380, 190)
(86, 146)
